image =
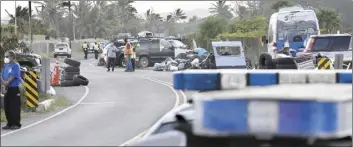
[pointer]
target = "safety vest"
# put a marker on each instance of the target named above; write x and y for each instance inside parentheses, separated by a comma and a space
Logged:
(84, 45)
(128, 51)
(96, 47)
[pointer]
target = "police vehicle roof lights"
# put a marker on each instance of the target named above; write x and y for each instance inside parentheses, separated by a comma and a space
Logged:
(233, 79)
(278, 110)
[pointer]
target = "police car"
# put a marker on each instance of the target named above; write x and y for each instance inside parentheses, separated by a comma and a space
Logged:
(257, 108)
(169, 121)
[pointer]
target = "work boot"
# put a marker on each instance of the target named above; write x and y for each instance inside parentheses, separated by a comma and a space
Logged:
(108, 70)
(15, 127)
(113, 70)
(6, 127)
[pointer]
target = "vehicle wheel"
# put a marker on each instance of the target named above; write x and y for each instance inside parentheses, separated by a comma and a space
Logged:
(68, 83)
(265, 61)
(79, 79)
(72, 69)
(286, 66)
(72, 62)
(67, 77)
(70, 73)
(144, 62)
(68, 56)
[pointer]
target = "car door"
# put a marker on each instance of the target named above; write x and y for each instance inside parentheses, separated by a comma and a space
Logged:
(155, 51)
(167, 49)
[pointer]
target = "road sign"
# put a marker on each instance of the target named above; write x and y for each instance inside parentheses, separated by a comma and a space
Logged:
(324, 63)
(31, 89)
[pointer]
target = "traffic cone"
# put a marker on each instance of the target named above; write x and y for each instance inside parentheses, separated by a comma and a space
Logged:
(55, 78)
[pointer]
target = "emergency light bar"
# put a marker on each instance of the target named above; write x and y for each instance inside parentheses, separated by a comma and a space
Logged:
(235, 79)
(321, 111)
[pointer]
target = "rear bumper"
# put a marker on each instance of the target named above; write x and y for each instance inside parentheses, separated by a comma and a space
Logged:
(61, 54)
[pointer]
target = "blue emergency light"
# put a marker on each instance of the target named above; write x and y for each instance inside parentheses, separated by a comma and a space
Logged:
(278, 110)
(233, 79)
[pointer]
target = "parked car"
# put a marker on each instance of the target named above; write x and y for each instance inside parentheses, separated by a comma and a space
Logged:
(62, 49)
(153, 50)
(169, 121)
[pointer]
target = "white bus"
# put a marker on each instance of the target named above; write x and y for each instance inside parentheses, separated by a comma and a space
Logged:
(293, 24)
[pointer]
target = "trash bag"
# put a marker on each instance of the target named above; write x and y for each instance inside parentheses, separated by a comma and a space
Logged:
(181, 66)
(173, 68)
(159, 67)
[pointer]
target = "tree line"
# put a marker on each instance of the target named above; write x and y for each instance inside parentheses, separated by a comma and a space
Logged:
(228, 19)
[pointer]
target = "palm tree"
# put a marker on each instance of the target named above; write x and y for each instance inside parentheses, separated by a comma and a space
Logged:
(177, 15)
(22, 15)
(329, 20)
(152, 19)
(127, 13)
(221, 9)
(51, 13)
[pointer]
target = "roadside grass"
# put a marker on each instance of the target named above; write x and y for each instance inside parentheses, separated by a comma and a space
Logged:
(60, 101)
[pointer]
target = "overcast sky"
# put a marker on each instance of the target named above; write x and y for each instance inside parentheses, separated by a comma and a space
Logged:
(141, 6)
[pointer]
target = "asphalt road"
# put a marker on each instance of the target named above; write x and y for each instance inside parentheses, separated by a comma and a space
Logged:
(115, 107)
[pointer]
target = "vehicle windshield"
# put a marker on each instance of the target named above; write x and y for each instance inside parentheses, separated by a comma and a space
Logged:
(167, 127)
(229, 50)
(296, 26)
(332, 43)
(61, 45)
(177, 44)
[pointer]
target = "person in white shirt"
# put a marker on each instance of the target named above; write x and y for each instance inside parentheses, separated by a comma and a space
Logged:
(111, 54)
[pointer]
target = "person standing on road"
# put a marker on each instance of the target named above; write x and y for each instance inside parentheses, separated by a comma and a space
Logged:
(128, 54)
(96, 50)
(85, 49)
(11, 78)
(111, 54)
(133, 58)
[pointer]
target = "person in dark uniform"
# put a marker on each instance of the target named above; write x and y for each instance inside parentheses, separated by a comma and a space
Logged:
(11, 79)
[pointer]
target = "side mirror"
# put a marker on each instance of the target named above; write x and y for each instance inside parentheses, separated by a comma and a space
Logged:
(264, 40)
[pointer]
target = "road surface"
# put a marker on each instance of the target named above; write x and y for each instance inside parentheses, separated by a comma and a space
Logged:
(112, 109)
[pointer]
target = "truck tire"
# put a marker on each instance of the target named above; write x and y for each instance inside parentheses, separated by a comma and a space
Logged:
(286, 66)
(71, 69)
(68, 83)
(71, 73)
(79, 79)
(72, 62)
(265, 61)
(285, 61)
(67, 77)
(144, 61)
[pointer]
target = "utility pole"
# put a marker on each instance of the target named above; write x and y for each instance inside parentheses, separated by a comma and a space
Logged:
(29, 19)
(16, 18)
(29, 23)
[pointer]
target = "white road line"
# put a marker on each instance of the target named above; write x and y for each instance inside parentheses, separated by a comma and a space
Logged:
(96, 103)
(177, 99)
(50, 117)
